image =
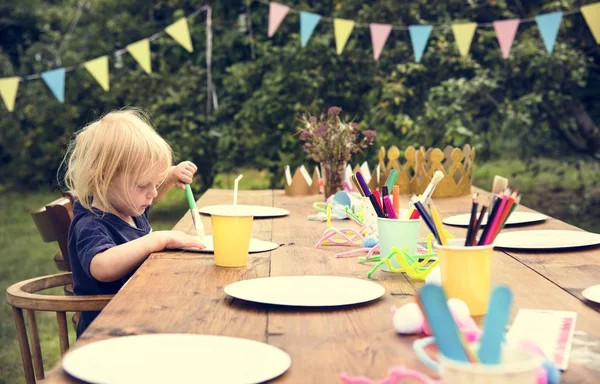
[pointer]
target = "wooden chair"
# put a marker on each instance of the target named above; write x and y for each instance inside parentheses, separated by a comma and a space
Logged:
(22, 296)
(52, 221)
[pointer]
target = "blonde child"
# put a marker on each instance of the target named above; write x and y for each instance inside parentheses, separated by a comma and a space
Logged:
(118, 166)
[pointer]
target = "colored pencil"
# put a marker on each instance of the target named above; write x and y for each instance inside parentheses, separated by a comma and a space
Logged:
(437, 221)
(494, 209)
(425, 216)
(478, 224)
(472, 220)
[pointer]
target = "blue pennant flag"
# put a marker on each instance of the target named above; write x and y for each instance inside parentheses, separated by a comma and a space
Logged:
(548, 25)
(419, 36)
(55, 79)
(308, 22)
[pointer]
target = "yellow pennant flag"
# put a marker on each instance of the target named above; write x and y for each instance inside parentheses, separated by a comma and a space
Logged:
(8, 91)
(463, 34)
(342, 29)
(141, 53)
(99, 69)
(591, 14)
(180, 32)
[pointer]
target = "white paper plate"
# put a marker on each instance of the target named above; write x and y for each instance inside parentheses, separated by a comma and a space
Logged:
(592, 293)
(254, 210)
(176, 358)
(306, 291)
(255, 245)
(515, 218)
(546, 239)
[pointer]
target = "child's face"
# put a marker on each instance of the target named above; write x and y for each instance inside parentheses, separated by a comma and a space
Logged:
(131, 198)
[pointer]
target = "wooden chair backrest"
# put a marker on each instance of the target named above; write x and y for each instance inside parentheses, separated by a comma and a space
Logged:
(23, 296)
(53, 221)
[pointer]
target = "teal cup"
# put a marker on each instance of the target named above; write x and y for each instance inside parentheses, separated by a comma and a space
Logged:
(401, 233)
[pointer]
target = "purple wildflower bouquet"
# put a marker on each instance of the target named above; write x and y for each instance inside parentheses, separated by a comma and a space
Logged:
(331, 138)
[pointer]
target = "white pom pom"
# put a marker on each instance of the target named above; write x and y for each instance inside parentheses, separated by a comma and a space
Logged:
(459, 308)
(408, 319)
(435, 276)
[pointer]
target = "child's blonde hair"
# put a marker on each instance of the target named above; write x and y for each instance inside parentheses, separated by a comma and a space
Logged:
(120, 142)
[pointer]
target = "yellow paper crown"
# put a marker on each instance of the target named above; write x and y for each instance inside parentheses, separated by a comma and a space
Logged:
(417, 167)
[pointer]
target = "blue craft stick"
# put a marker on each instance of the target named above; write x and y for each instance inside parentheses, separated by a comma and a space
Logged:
(363, 184)
(435, 307)
(490, 348)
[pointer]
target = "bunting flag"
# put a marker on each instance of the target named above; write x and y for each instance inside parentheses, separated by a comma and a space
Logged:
(55, 79)
(419, 36)
(379, 35)
(277, 13)
(180, 32)
(99, 69)
(8, 91)
(463, 34)
(548, 25)
(506, 31)
(308, 23)
(141, 53)
(342, 29)
(591, 14)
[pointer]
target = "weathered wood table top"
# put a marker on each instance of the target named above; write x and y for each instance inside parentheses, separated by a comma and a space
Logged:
(182, 292)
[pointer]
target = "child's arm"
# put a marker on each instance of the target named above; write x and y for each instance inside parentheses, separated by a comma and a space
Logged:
(179, 175)
(118, 261)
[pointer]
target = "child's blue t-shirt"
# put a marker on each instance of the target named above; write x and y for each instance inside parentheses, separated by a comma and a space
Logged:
(89, 234)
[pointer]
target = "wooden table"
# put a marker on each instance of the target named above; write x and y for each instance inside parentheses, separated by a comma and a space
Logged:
(183, 292)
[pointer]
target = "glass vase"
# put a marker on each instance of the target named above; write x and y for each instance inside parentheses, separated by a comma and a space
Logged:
(333, 176)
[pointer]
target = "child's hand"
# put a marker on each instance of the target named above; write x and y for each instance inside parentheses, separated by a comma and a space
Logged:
(182, 174)
(178, 240)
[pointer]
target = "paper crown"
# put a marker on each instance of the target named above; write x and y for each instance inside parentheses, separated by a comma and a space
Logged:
(417, 167)
(301, 184)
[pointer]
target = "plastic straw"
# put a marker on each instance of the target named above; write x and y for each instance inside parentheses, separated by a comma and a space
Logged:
(235, 190)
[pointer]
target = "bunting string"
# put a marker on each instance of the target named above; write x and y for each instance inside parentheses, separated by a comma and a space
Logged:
(99, 67)
(548, 25)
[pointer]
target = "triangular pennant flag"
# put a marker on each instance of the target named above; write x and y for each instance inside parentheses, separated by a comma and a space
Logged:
(55, 79)
(99, 69)
(419, 36)
(140, 51)
(308, 22)
(277, 13)
(506, 31)
(8, 91)
(463, 34)
(379, 35)
(548, 25)
(180, 32)
(342, 29)
(591, 14)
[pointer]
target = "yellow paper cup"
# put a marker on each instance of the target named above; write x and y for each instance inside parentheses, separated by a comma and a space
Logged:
(516, 366)
(466, 273)
(231, 238)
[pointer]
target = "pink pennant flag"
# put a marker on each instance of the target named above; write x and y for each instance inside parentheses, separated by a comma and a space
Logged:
(379, 35)
(506, 30)
(277, 13)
